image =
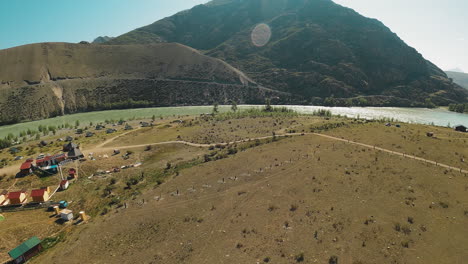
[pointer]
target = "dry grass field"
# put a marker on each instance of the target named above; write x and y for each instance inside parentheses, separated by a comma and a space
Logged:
(299, 199)
(302, 199)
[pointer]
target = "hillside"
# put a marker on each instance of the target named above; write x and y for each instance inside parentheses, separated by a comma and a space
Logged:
(43, 80)
(297, 199)
(459, 78)
(317, 49)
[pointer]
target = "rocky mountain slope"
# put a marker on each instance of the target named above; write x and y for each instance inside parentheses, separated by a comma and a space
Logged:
(102, 39)
(49, 79)
(316, 49)
(459, 78)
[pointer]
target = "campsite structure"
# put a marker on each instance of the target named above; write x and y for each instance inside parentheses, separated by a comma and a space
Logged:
(17, 197)
(26, 250)
(4, 198)
(40, 195)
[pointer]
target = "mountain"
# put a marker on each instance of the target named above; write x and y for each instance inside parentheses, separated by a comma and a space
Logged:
(317, 49)
(459, 78)
(49, 79)
(457, 69)
(102, 39)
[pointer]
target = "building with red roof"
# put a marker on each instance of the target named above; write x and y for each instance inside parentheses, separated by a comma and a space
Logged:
(26, 167)
(17, 197)
(40, 195)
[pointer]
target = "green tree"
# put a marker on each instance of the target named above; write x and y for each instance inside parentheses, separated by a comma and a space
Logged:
(215, 108)
(268, 106)
(77, 123)
(234, 106)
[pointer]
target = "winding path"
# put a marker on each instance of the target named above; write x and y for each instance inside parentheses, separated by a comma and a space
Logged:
(287, 135)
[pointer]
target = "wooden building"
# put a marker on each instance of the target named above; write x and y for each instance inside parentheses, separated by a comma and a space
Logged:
(17, 197)
(27, 167)
(26, 250)
(40, 195)
(4, 198)
(64, 184)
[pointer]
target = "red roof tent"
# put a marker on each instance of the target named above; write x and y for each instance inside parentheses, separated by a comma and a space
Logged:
(26, 166)
(57, 158)
(38, 193)
(15, 195)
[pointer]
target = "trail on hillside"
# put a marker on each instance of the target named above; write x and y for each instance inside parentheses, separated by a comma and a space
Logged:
(401, 154)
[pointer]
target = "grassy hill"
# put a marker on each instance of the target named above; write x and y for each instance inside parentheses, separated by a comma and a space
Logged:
(49, 79)
(301, 199)
(317, 49)
(459, 78)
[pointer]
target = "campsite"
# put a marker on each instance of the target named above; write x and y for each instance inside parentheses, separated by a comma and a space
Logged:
(139, 177)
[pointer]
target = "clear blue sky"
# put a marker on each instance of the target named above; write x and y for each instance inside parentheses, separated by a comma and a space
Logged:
(436, 28)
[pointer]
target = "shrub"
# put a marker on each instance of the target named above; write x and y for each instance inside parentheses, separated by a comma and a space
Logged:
(299, 257)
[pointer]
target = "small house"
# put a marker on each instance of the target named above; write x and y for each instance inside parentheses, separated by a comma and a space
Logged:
(40, 195)
(72, 173)
(27, 167)
(64, 184)
(17, 197)
(66, 214)
(69, 146)
(75, 154)
(460, 128)
(26, 250)
(4, 197)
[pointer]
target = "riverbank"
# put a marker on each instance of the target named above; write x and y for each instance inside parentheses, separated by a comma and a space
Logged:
(436, 116)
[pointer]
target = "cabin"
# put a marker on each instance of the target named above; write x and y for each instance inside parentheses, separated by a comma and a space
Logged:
(26, 250)
(75, 154)
(460, 128)
(17, 197)
(40, 195)
(69, 146)
(4, 198)
(64, 184)
(66, 215)
(27, 167)
(49, 161)
(72, 173)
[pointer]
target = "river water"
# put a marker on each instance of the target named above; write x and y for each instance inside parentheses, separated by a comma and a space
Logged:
(439, 116)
